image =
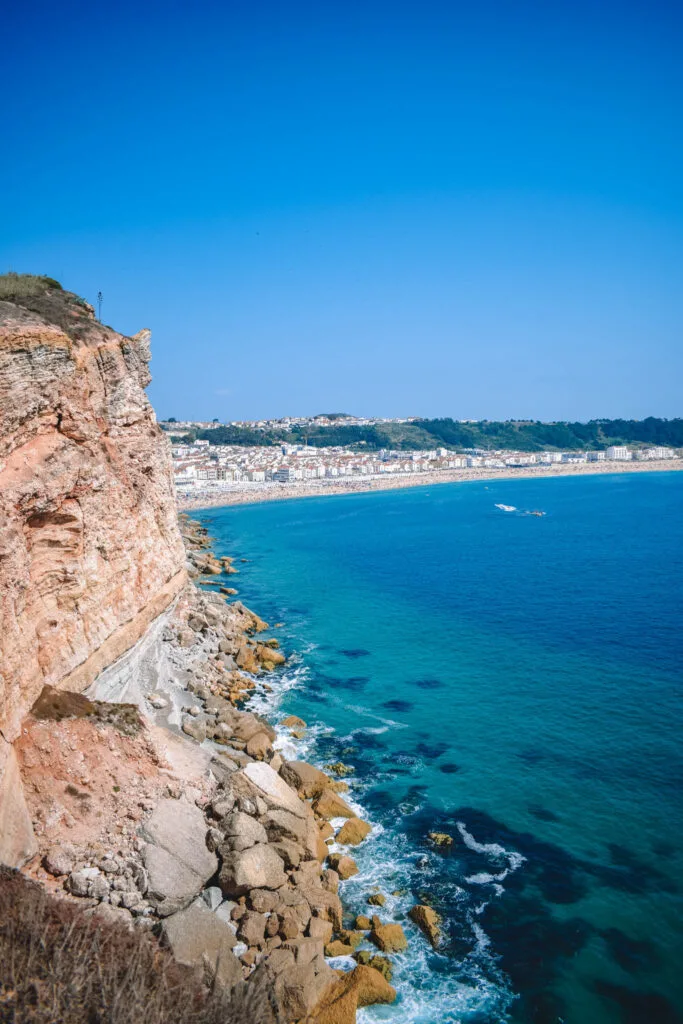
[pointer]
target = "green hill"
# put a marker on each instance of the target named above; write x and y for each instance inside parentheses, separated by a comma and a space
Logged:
(521, 435)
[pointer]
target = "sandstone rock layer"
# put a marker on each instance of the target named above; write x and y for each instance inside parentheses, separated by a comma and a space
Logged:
(90, 550)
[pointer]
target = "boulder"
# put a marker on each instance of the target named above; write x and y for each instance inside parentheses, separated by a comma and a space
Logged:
(305, 950)
(290, 926)
(339, 786)
(353, 832)
(259, 746)
(377, 899)
(263, 900)
(273, 789)
(319, 929)
(194, 727)
(223, 803)
(259, 867)
(246, 660)
(363, 923)
(295, 724)
(177, 860)
(341, 769)
(245, 725)
(197, 937)
(371, 986)
(428, 921)
(301, 987)
(380, 963)
(343, 865)
(269, 657)
(60, 860)
(252, 928)
(308, 874)
(390, 938)
(325, 829)
(308, 781)
(363, 986)
(289, 852)
(323, 904)
(241, 832)
(440, 839)
(224, 911)
(338, 948)
(213, 897)
(330, 879)
(351, 938)
(330, 805)
(78, 883)
(285, 825)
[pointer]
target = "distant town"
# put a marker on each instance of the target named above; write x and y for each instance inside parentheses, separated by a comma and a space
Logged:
(204, 467)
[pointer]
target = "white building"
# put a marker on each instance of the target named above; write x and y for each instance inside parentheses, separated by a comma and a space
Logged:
(619, 453)
(657, 453)
(596, 456)
(284, 475)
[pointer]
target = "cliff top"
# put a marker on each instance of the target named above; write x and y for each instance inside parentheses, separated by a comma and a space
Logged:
(46, 297)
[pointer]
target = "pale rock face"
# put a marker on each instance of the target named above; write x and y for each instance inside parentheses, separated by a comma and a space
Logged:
(17, 840)
(90, 550)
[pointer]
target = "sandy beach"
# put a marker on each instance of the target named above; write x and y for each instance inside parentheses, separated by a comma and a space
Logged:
(253, 493)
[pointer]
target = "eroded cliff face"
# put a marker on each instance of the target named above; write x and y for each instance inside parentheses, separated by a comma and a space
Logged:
(90, 551)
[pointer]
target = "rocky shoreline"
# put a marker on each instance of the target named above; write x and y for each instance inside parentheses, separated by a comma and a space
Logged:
(206, 836)
(250, 494)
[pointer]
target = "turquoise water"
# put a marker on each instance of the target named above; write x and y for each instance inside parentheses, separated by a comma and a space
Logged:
(516, 682)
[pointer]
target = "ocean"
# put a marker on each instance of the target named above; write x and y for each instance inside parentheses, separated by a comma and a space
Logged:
(513, 681)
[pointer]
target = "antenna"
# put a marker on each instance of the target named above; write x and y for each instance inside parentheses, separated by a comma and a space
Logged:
(99, 305)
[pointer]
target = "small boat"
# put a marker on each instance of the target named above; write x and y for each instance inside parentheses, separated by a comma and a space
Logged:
(507, 508)
(536, 513)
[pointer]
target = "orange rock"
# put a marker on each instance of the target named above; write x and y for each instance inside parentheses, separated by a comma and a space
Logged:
(353, 832)
(428, 921)
(390, 938)
(343, 865)
(330, 805)
(363, 986)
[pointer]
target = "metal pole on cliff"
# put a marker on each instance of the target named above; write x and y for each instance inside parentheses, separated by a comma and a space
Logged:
(99, 305)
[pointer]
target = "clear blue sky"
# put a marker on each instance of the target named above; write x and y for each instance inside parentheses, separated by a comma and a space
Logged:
(415, 208)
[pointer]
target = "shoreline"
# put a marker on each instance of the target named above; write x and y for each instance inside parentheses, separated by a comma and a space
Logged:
(354, 949)
(255, 494)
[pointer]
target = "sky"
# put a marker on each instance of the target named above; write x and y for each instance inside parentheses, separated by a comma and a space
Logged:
(393, 209)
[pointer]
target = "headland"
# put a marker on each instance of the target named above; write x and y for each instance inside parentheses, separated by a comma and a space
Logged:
(138, 793)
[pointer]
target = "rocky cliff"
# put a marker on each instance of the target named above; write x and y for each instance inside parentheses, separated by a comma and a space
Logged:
(90, 551)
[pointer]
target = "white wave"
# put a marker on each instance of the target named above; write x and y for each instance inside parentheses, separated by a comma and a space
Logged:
(514, 859)
(484, 878)
(483, 941)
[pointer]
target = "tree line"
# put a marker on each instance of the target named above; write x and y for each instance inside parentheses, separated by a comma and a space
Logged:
(523, 435)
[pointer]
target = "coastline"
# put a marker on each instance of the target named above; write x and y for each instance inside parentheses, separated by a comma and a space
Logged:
(368, 937)
(383, 851)
(256, 493)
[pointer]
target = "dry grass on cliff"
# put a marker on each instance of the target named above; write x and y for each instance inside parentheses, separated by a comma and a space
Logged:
(56, 965)
(14, 287)
(47, 298)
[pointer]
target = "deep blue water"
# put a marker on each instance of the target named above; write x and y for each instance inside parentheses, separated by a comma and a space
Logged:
(516, 682)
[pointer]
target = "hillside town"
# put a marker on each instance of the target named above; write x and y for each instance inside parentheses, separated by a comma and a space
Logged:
(202, 468)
